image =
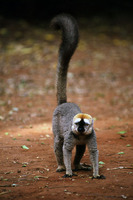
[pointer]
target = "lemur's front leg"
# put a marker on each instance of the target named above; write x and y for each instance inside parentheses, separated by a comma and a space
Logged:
(67, 154)
(94, 161)
(92, 146)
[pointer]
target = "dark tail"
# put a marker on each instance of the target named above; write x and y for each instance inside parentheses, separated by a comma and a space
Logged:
(70, 37)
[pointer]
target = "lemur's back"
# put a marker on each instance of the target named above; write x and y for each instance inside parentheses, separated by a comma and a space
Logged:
(63, 116)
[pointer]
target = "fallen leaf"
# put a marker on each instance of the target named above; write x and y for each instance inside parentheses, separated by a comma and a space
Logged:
(24, 147)
(42, 143)
(14, 185)
(128, 145)
(37, 177)
(15, 109)
(2, 118)
(68, 193)
(120, 153)
(121, 132)
(101, 163)
(24, 165)
(48, 136)
(123, 196)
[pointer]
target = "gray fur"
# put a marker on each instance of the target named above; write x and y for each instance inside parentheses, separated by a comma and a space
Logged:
(65, 138)
(70, 37)
(63, 142)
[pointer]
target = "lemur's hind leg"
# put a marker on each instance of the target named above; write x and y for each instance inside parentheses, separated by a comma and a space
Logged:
(80, 149)
(58, 148)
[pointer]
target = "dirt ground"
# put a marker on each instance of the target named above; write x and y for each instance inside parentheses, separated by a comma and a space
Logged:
(100, 81)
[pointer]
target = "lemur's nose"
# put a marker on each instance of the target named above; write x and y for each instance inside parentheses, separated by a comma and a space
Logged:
(81, 129)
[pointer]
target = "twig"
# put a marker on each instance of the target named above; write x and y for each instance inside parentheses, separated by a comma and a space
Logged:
(6, 185)
(62, 187)
(2, 193)
(120, 168)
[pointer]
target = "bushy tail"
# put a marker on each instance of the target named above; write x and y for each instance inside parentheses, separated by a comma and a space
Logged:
(70, 37)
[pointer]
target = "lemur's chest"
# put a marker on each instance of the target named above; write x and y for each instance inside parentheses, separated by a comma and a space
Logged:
(81, 140)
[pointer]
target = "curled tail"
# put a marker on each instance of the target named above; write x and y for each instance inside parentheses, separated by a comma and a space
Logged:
(70, 36)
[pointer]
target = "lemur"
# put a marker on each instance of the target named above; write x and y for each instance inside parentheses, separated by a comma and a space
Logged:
(70, 126)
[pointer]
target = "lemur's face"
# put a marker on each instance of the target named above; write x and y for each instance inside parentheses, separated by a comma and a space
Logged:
(82, 124)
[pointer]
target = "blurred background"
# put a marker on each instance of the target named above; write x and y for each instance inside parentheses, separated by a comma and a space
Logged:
(102, 64)
(37, 9)
(100, 81)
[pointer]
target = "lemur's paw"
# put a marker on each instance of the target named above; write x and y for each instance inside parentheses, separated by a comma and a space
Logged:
(83, 166)
(60, 169)
(99, 177)
(69, 176)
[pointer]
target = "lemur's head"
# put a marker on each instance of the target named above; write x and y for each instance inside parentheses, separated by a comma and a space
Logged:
(82, 124)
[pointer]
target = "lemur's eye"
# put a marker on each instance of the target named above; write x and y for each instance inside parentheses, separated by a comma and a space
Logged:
(86, 124)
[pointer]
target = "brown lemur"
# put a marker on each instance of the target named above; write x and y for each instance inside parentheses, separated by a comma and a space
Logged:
(70, 126)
